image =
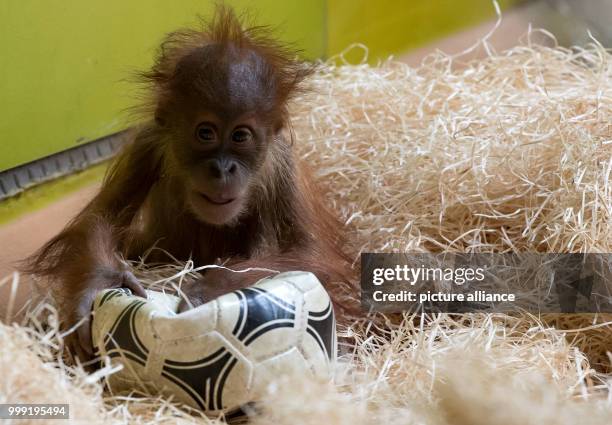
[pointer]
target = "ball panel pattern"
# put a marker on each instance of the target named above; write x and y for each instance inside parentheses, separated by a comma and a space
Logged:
(205, 379)
(218, 356)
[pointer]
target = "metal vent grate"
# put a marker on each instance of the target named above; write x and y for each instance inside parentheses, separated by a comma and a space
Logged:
(15, 180)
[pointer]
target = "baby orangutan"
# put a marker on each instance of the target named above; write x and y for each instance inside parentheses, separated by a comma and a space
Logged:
(209, 176)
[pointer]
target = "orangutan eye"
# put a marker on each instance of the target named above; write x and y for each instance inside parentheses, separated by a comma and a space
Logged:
(206, 133)
(242, 135)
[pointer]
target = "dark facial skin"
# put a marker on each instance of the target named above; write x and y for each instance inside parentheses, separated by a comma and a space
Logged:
(220, 158)
(220, 149)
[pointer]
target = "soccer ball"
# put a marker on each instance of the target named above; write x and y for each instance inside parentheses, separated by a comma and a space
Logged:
(222, 355)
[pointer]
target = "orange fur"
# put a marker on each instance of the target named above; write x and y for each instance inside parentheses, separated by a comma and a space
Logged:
(284, 224)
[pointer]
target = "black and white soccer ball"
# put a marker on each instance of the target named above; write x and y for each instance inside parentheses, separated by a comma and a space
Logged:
(222, 355)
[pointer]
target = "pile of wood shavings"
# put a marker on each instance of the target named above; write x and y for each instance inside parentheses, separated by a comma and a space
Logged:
(509, 153)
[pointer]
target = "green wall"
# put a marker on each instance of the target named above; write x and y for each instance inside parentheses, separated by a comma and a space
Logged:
(62, 62)
(388, 27)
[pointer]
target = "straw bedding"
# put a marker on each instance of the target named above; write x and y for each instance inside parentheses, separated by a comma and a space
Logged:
(509, 153)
